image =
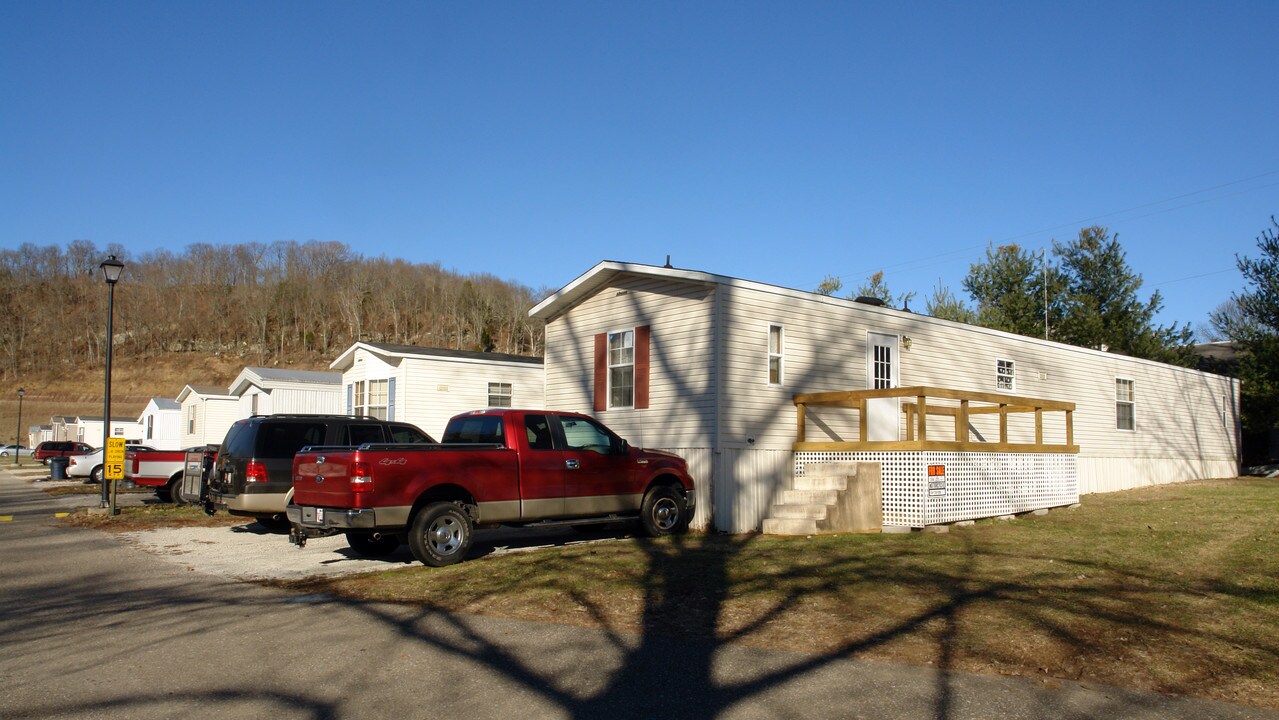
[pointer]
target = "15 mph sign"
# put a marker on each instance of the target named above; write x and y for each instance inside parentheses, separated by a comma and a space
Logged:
(113, 462)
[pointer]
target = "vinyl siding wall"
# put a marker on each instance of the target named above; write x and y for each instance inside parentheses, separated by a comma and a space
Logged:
(166, 429)
(430, 390)
(680, 417)
(213, 417)
(280, 397)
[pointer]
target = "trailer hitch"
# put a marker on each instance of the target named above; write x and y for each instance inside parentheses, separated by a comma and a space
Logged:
(296, 537)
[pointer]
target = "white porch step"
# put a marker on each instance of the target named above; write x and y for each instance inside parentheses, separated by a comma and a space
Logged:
(816, 512)
(790, 526)
(810, 497)
(806, 482)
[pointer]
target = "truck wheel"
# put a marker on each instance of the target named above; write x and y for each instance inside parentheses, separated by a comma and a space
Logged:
(441, 534)
(174, 490)
(663, 512)
(373, 544)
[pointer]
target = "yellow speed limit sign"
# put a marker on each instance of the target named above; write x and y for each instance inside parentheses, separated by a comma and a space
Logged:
(113, 462)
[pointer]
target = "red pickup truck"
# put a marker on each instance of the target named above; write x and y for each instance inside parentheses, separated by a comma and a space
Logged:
(494, 467)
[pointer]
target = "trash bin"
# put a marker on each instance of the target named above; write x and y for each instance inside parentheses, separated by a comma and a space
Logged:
(58, 468)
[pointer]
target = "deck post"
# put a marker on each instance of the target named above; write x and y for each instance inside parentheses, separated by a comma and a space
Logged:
(1003, 424)
(861, 418)
(1039, 426)
(923, 418)
(961, 422)
(799, 422)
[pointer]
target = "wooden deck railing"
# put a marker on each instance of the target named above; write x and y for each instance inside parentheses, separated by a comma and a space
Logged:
(959, 404)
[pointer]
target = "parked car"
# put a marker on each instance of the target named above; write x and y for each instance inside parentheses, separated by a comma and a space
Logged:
(253, 473)
(11, 450)
(59, 448)
(89, 465)
(496, 467)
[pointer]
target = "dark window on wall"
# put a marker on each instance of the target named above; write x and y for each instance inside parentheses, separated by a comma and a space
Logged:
(775, 349)
(1125, 404)
(1005, 375)
(500, 395)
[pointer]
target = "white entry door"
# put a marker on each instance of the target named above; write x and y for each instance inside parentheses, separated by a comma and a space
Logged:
(883, 415)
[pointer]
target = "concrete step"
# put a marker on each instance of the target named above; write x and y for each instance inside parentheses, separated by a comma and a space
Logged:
(816, 512)
(790, 526)
(806, 482)
(810, 497)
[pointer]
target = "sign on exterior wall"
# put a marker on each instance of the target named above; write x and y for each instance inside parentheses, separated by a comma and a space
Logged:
(113, 460)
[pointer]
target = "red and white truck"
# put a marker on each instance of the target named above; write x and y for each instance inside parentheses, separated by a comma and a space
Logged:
(494, 467)
(160, 469)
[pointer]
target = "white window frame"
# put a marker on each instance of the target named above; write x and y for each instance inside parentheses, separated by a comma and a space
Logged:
(191, 419)
(365, 398)
(610, 366)
(1009, 377)
(1131, 402)
(776, 355)
(496, 393)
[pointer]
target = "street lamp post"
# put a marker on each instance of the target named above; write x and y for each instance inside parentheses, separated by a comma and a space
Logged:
(111, 269)
(17, 435)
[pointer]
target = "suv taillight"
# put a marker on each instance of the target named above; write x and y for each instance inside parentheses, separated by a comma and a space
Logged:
(254, 472)
(361, 478)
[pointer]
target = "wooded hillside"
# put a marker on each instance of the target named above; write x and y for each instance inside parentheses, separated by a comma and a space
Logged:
(281, 303)
(202, 314)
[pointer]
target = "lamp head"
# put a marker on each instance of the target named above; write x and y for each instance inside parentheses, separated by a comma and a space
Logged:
(111, 269)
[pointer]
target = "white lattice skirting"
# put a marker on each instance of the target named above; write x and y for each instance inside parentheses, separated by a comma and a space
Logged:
(974, 484)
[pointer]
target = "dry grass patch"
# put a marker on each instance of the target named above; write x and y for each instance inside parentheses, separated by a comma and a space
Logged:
(1174, 589)
(149, 517)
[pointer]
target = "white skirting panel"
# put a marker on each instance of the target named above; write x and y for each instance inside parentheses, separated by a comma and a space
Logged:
(1098, 475)
(700, 467)
(932, 488)
(745, 486)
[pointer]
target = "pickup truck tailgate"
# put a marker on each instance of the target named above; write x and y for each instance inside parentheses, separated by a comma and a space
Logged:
(324, 479)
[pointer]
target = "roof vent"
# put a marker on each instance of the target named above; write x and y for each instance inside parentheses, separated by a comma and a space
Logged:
(867, 300)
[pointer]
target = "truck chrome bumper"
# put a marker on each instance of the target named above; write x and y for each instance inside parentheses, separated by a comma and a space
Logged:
(318, 518)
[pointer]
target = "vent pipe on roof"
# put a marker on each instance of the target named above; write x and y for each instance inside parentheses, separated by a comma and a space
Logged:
(668, 263)
(867, 300)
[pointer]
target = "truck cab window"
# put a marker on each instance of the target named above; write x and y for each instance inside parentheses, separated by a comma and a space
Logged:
(539, 432)
(582, 434)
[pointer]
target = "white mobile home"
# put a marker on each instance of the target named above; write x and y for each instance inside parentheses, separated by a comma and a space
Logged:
(161, 423)
(207, 413)
(88, 429)
(427, 386)
(267, 391)
(710, 367)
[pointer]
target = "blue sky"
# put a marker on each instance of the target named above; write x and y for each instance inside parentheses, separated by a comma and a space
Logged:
(777, 142)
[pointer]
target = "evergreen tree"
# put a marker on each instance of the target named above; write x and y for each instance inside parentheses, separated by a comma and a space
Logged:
(1253, 323)
(1008, 287)
(1101, 307)
(946, 305)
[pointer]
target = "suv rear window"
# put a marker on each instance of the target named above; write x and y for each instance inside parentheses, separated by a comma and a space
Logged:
(408, 434)
(284, 439)
(360, 434)
(475, 429)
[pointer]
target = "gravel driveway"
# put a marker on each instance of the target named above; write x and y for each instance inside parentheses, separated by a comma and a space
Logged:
(251, 552)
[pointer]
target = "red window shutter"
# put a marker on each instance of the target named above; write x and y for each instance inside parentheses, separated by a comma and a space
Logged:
(641, 367)
(601, 371)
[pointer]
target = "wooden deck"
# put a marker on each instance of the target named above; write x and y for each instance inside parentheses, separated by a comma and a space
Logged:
(924, 401)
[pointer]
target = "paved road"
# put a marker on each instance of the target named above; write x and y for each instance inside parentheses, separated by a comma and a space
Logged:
(91, 627)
